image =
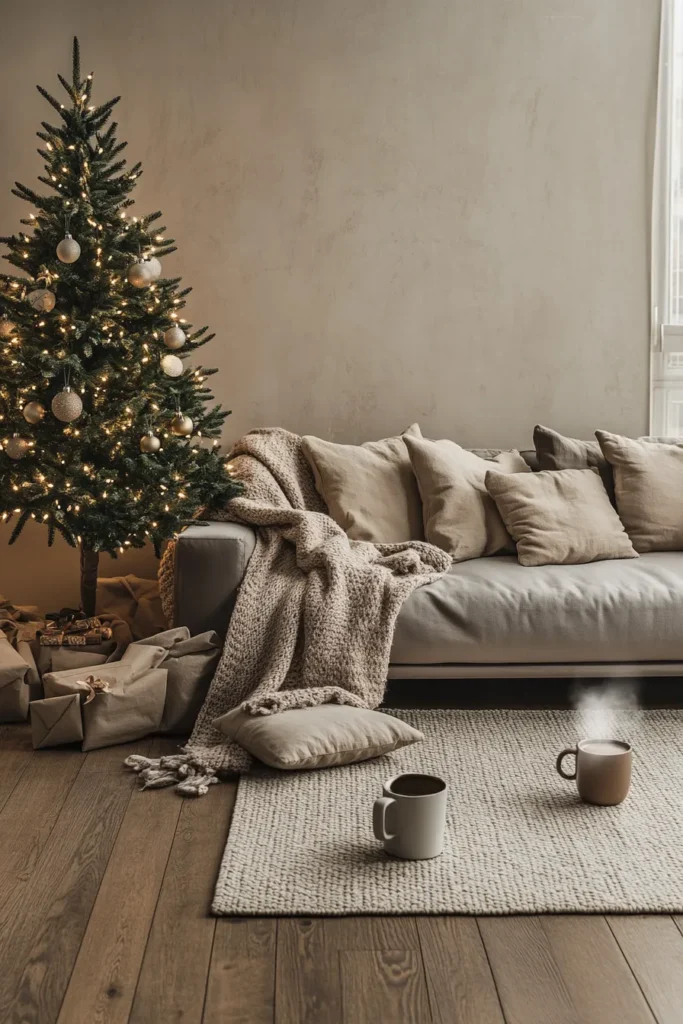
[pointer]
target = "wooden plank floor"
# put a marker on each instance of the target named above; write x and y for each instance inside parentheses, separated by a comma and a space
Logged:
(104, 919)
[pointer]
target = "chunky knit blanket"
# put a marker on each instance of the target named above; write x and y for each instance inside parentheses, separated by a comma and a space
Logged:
(314, 617)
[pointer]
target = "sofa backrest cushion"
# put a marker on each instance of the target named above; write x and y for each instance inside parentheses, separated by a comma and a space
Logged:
(369, 489)
(459, 516)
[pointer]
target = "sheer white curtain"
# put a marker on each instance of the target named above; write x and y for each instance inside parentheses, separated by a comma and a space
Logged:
(666, 407)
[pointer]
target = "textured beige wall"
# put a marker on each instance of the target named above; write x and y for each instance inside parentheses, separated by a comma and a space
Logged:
(389, 209)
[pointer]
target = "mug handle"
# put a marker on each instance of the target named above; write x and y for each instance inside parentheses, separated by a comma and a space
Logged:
(379, 813)
(560, 759)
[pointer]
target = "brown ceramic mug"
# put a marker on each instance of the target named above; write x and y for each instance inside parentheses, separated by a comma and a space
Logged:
(603, 770)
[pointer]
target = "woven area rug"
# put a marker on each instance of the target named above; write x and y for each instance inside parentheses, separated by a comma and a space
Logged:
(518, 839)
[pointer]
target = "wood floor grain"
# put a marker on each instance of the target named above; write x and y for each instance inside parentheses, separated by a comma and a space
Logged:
(653, 947)
(383, 986)
(241, 985)
(175, 969)
(105, 896)
(120, 921)
(459, 979)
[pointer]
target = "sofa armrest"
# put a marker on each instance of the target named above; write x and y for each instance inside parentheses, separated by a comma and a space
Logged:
(210, 562)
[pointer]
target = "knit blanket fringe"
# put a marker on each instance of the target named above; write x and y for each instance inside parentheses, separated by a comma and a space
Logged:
(314, 616)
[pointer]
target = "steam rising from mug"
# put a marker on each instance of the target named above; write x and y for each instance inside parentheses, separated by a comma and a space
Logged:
(608, 711)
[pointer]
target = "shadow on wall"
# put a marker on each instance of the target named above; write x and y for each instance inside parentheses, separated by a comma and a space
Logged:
(32, 573)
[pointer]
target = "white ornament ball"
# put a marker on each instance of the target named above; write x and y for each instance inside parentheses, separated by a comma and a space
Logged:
(42, 300)
(140, 274)
(181, 426)
(150, 443)
(174, 337)
(172, 365)
(67, 405)
(153, 267)
(33, 412)
(7, 328)
(68, 249)
(16, 447)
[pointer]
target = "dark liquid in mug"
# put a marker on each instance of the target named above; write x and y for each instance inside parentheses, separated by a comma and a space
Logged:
(417, 785)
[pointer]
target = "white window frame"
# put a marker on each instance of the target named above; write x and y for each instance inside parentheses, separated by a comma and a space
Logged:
(666, 393)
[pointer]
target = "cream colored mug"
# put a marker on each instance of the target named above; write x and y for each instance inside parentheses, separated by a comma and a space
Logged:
(410, 818)
(603, 770)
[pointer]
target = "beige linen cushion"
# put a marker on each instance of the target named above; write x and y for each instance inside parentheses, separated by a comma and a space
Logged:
(459, 516)
(369, 489)
(317, 737)
(555, 451)
(648, 478)
(561, 517)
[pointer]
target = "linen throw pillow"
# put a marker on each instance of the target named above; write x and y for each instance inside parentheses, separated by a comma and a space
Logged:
(369, 489)
(555, 451)
(561, 517)
(458, 514)
(648, 478)
(317, 737)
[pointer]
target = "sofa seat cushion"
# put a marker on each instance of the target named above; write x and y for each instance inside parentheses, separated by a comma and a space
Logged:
(493, 610)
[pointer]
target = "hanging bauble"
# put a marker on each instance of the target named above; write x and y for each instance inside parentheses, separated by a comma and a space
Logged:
(7, 328)
(172, 365)
(150, 443)
(68, 249)
(153, 267)
(33, 412)
(16, 447)
(140, 274)
(42, 300)
(174, 337)
(67, 405)
(181, 426)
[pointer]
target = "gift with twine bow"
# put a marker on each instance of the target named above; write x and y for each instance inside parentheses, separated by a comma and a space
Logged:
(123, 702)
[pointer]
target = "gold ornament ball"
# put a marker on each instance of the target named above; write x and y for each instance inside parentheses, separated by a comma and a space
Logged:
(16, 447)
(150, 443)
(172, 366)
(42, 300)
(33, 412)
(174, 337)
(181, 426)
(68, 249)
(67, 405)
(153, 267)
(7, 328)
(140, 274)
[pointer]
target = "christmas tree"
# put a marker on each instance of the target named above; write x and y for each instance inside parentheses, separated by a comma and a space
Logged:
(103, 423)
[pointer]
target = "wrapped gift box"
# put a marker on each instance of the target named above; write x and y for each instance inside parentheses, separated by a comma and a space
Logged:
(134, 704)
(191, 662)
(14, 695)
(56, 720)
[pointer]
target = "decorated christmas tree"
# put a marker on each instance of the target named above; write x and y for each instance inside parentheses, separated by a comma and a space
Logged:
(103, 424)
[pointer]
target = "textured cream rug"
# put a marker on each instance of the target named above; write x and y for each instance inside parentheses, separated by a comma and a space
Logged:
(518, 839)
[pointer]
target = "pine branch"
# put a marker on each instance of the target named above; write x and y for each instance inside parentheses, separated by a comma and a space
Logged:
(59, 107)
(73, 96)
(76, 63)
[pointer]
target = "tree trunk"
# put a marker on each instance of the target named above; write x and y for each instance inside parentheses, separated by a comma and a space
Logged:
(89, 563)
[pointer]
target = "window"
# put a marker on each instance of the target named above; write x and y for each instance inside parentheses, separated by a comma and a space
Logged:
(666, 412)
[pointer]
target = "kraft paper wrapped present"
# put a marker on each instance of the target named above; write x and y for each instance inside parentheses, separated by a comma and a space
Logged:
(134, 600)
(136, 661)
(14, 695)
(56, 720)
(133, 705)
(132, 708)
(191, 664)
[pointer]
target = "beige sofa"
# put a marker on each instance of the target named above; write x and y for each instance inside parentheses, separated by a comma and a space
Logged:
(488, 617)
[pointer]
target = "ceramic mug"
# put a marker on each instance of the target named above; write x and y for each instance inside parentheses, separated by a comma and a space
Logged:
(410, 818)
(602, 772)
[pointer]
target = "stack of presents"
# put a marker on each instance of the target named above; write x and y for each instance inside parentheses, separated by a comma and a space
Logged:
(97, 681)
